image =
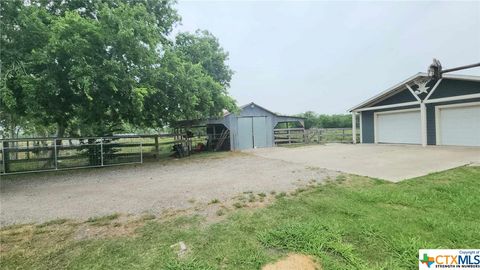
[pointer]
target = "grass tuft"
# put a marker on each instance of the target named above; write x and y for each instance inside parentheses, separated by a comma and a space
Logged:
(103, 220)
(59, 221)
(238, 205)
(281, 195)
(214, 201)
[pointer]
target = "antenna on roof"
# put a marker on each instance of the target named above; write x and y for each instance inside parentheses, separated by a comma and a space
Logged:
(435, 70)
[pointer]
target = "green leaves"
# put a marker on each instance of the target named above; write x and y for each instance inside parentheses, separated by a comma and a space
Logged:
(106, 63)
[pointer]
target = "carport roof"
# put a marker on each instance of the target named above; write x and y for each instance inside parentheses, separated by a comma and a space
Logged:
(401, 85)
(263, 108)
(203, 122)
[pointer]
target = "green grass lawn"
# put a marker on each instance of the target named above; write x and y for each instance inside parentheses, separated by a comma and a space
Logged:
(352, 223)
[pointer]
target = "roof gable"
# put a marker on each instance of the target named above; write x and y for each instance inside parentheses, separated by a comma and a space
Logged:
(420, 83)
(398, 97)
(254, 105)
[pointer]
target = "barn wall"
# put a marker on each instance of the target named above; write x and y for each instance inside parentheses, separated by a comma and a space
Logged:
(368, 135)
(401, 97)
(450, 88)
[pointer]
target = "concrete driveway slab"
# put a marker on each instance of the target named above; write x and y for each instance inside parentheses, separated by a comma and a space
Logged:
(389, 162)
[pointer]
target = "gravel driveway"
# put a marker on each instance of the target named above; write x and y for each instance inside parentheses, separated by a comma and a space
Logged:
(151, 187)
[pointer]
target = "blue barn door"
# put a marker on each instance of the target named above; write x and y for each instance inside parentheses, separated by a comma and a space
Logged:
(259, 132)
(245, 133)
(252, 132)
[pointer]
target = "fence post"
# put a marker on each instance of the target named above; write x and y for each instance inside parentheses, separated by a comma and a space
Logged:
(101, 151)
(55, 151)
(141, 152)
(157, 149)
(28, 149)
(4, 156)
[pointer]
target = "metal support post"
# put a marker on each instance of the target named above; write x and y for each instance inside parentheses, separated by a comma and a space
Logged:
(55, 150)
(3, 158)
(141, 152)
(101, 151)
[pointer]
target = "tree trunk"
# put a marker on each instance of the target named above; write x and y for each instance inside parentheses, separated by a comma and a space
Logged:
(13, 136)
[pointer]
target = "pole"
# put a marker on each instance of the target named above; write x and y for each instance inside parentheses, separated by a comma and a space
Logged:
(28, 149)
(423, 120)
(3, 158)
(101, 151)
(55, 150)
(460, 68)
(354, 128)
(157, 150)
(141, 152)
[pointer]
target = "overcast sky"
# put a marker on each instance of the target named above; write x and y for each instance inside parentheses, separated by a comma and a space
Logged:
(291, 57)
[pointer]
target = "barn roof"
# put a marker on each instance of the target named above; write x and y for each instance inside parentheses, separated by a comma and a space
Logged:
(263, 108)
(203, 122)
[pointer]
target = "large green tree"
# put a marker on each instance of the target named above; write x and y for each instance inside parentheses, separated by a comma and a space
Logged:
(87, 67)
(191, 81)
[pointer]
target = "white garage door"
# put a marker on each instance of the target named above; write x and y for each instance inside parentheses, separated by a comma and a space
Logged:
(398, 127)
(458, 125)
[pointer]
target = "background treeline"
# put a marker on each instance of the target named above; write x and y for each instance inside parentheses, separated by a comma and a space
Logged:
(92, 68)
(314, 120)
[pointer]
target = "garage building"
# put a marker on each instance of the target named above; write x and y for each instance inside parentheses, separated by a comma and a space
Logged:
(251, 127)
(421, 110)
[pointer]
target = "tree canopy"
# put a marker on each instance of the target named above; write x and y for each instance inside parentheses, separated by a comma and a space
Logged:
(90, 67)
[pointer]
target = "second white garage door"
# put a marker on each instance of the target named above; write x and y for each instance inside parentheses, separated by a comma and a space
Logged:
(401, 126)
(458, 124)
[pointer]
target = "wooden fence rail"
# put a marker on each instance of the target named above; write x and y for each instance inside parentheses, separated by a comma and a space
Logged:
(289, 135)
(313, 135)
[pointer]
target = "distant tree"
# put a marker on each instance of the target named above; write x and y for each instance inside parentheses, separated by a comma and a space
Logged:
(314, 120)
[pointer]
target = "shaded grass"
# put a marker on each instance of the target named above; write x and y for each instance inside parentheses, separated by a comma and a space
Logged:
(355, 223)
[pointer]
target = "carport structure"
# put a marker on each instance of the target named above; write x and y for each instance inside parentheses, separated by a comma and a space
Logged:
(251, 127)
(423, 110)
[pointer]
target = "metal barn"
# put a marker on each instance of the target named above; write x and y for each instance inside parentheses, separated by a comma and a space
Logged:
(252, 127)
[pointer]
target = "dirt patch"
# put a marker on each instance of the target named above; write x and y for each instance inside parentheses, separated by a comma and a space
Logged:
(114, 230)
(294, 262)
(123, 225)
